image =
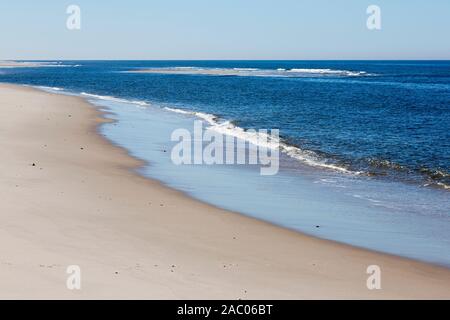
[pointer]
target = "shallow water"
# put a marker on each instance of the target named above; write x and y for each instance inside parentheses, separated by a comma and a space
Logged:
(387, 216)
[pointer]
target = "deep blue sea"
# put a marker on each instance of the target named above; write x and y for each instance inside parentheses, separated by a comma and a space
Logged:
(366, 143)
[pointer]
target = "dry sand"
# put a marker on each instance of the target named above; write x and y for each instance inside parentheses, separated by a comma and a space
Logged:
(82, 204)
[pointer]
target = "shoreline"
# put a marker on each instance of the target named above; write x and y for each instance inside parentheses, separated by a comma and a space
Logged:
(185, 248)
(147, 163)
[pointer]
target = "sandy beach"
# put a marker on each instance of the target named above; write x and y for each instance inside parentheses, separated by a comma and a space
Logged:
(69, 197)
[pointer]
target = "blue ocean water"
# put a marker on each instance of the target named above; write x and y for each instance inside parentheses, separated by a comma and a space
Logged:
(368, 141)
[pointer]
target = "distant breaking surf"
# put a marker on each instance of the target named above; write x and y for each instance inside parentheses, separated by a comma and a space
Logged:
(252, 72)
(33, 64)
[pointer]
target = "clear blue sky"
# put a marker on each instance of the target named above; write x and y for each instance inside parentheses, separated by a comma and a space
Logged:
(225, 29)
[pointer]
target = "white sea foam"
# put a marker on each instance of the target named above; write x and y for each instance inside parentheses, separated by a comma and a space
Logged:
(329, 72)
(228, 128)
(263, 140)
(211, 119)
(36, 64)
(187, 68)
(280, 72)
(54, 64)
(49, 88)
(139, 103)
(60, 65)
(443, 185)
(246, 69)
(114, 99)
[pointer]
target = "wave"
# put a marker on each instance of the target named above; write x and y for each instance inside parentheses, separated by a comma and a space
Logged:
(114, 99)
(229, 128)
(60, 65)
(329, 72)
(56, 64)
(263, 140)
(39, 64)
(50, 89)
(366, 167)
(434, 177)
(139, 103)
(246, 69)
(370, 167)
(254, 72)
(211, 119)
(443, 185)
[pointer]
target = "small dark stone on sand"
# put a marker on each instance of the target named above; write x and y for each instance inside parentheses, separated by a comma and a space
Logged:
(33, 165)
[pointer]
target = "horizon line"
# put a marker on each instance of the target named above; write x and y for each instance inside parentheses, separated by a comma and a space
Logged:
(448, 59)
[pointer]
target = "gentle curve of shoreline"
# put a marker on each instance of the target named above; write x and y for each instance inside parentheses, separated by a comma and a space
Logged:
(81, 203)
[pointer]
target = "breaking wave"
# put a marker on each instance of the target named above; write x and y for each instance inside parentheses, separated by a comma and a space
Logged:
(114, 99)
(263, 140)
(254, 72)
(368, 167)
(437, 178)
